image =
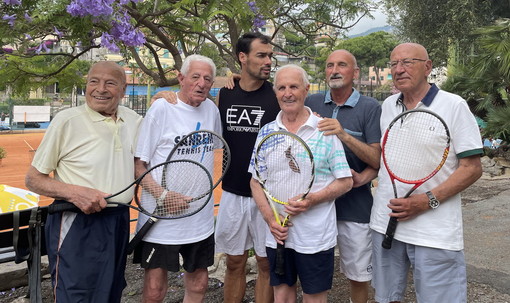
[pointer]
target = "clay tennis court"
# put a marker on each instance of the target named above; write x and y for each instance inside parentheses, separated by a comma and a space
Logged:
(20, 148)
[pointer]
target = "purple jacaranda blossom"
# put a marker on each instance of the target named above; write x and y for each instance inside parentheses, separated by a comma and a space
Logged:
(27, 17)
(57, 32)
(42, 47)
(127, 1)
(124, 31)
(107, 41)
(28, 37)
(82, 8)
(7, 50)
(259, 20)
(110, 11)
(12, 2)
(10, 19)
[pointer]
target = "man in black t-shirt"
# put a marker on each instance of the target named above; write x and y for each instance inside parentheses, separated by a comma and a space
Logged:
(244, 110)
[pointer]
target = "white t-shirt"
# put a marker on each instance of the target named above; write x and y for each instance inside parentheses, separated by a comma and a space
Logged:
(163, 126)
(441, 227)
(314, 230)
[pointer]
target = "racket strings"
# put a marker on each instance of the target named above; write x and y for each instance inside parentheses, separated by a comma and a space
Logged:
(185, 191)
(206, 148)
(285, 166)
(416, 145)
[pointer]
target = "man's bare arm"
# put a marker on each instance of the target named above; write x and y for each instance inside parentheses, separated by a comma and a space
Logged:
(89, 200)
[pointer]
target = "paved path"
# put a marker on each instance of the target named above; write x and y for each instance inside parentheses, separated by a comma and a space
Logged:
(487, 241)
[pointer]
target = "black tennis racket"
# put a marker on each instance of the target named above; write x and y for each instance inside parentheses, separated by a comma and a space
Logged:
(204, 147)
(285, 169)
(207, 148)
(414, 148)
(186, 191)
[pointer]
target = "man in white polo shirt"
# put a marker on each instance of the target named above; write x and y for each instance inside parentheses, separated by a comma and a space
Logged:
(429, 236)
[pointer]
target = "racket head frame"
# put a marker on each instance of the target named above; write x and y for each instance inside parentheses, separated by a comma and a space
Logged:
(392, 224)
(226, 157)
(258, 171)
(167, 165)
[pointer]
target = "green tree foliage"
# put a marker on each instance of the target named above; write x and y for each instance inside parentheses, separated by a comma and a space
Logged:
(179, 27)
(440, 25)
(484, 78)
(371, 50)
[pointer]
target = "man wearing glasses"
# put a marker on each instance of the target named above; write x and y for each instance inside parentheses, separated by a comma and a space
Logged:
(429, 237)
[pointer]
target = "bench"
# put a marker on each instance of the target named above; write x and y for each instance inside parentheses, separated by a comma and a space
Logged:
(22, 239)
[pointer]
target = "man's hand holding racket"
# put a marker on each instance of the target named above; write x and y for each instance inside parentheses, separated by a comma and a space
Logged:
(407, 208)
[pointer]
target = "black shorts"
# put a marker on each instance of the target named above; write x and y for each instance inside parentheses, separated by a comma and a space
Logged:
(194, 255)
(315, 271)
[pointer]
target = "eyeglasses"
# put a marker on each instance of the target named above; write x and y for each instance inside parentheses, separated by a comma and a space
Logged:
(407, 62)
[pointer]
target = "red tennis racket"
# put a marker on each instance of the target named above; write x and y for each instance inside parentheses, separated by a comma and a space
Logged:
(414, 148)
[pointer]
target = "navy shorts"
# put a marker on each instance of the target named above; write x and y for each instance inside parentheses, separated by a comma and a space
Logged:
(315, 271)
(87, 254)
(194, 255)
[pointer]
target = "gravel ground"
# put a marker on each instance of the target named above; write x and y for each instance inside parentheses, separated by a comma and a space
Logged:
(477, 292)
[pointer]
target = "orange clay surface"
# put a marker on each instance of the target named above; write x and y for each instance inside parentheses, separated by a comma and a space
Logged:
(19, 156)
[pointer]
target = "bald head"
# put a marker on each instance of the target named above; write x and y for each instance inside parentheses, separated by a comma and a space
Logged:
(343, 53)
(106, 86)
(411, 69)
(112, 67)
(416, 49)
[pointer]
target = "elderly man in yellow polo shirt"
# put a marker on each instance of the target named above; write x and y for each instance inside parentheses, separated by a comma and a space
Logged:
(89, 149)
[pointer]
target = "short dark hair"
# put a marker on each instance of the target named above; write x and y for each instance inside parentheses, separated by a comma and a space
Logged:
(244, 43)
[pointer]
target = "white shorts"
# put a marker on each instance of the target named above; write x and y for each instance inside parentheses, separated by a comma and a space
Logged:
(439, 275)
(355, 246)
(239, 226)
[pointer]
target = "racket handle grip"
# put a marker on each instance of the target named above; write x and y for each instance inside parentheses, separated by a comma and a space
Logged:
(390, 233)
(139, 235)
(280, 260)
(60, 207)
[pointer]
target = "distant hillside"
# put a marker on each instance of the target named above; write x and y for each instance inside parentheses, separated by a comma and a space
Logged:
(386, 28)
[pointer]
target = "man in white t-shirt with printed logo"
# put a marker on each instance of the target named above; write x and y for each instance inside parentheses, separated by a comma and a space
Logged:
(191, 237)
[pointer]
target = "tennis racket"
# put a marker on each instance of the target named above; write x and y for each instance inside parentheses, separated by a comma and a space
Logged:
(187, 190)
(414, 148)
(204, 147)
(285, 169)
(207, 148)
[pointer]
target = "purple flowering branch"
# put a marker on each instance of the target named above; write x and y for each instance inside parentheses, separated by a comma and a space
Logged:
(12, 2)
(258, 21)
(111, 11)
(10, 19)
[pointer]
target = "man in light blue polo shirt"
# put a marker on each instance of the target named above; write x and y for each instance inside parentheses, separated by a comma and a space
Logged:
(355, 120)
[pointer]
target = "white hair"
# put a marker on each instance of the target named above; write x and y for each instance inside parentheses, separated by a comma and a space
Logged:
(199, 58)
(304, 75)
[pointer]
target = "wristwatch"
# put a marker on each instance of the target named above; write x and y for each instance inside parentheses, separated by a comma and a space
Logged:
(433, 201)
